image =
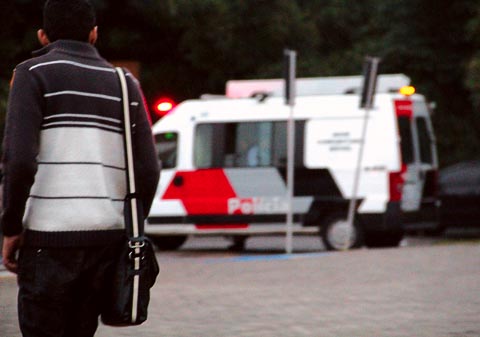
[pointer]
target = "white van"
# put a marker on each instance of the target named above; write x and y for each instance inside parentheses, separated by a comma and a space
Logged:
(224, 164)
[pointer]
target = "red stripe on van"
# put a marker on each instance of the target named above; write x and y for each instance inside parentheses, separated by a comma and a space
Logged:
(201, 191)
(396, 181)
(404, 107)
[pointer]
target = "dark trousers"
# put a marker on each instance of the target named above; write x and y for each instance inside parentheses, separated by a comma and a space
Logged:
(61, 290)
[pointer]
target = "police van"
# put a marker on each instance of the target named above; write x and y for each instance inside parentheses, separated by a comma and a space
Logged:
(224, 164)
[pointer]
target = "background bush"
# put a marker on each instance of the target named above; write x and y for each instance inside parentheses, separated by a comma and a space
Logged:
(190, 47)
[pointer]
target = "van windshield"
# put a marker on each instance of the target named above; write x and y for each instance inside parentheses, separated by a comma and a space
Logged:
(166, 146)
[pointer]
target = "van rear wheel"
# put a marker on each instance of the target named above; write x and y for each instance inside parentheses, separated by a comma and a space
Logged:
(338, 234)
(168, 242)
(383, 239)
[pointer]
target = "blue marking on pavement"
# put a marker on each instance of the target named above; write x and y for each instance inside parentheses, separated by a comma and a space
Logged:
(274, 257)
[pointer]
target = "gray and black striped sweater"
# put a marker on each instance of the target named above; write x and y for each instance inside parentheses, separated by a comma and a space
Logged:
(64, 165)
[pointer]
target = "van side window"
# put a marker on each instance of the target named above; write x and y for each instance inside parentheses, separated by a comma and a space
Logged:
(424, 140)
(406, 142)
(166, 146)
(242, 144)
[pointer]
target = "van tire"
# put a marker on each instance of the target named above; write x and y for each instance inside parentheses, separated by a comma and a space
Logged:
(333, 230)
(383, 240)
(165, 243)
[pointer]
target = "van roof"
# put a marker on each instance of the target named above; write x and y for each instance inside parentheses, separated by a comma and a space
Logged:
(274, 108)
(335, 85)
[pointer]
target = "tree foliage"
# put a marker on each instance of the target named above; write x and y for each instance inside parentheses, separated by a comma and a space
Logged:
(190, 47)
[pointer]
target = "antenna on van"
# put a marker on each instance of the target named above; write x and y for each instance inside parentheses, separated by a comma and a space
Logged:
(370, 69)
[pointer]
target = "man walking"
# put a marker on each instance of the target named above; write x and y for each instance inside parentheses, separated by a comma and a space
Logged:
(64, 182)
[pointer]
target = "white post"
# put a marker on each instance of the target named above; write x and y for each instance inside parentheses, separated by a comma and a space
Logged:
(290, 100)
(356, 180)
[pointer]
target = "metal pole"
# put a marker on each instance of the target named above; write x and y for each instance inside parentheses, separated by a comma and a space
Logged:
(353, 200)
(290, 97)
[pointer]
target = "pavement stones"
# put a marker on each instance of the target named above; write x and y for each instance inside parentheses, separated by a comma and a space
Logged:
(409, 291)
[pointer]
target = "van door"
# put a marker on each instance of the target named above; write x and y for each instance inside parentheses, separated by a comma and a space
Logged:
(233, 178)
(411, 188)
(418, 155)
(427, 167)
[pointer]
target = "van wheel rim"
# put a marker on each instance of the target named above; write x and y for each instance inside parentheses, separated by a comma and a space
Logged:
(341, 235)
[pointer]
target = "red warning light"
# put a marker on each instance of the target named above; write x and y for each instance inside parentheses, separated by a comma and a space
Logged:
(163, 106)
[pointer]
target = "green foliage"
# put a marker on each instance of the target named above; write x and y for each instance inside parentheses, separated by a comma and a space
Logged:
(473, 81)
(190, 47)
(428, 40)
(19, 19)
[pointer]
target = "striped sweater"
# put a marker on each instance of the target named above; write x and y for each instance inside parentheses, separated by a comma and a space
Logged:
(64, 162)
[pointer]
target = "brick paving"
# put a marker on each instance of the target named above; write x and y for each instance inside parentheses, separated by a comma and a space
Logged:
(431, 290)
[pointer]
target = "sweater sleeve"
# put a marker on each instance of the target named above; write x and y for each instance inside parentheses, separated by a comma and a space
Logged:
(147, 166)
(20, 148)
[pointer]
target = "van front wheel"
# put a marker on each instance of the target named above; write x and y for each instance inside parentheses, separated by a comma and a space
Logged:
(338, 234)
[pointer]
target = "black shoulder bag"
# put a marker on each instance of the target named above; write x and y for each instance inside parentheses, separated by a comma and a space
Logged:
(136, 268)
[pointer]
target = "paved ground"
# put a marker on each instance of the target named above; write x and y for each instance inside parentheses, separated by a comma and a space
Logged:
(426, 289)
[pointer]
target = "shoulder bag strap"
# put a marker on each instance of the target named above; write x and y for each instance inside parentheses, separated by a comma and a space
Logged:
(135, 230)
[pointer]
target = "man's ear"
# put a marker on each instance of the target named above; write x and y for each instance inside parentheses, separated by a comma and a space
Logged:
(92, 38)
(42, 37)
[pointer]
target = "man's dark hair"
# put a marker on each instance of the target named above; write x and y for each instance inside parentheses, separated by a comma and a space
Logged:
(68, 19)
